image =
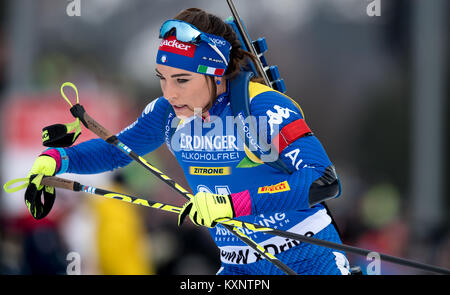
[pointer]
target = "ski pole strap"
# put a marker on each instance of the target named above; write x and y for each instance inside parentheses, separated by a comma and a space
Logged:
(62, 135)
(7, 185)
(33, 195)
(77, 110)
(64, 95)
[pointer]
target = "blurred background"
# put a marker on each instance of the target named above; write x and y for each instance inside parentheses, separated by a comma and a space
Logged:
(374, 90)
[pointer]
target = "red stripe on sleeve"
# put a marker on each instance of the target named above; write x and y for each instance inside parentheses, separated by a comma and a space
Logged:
(290, 133)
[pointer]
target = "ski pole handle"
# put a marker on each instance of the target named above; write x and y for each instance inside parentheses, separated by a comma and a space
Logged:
(79, 112)
(58, 182)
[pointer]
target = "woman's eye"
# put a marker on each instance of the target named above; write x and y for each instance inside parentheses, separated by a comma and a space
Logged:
(160, 77)
(182, 80)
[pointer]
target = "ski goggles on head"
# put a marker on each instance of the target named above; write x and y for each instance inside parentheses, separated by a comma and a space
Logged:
(185, 32)
(186, 47)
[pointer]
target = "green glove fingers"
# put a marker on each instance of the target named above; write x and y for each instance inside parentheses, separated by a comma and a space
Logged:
(205, 208)
(50, 189)
(184, 212)
(37, 181)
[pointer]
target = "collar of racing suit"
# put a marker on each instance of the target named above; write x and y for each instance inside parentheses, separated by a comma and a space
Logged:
(219, 104)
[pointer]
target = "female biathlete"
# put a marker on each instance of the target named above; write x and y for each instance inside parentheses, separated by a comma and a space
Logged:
(197, 61)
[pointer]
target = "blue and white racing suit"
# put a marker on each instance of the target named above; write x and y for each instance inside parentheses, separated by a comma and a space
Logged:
(209, 152)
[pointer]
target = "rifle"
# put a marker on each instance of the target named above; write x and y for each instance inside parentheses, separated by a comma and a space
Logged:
(270, 74)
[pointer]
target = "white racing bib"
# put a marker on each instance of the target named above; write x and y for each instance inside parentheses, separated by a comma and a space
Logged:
(275, 245)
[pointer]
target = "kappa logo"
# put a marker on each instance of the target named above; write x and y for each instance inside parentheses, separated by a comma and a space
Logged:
(277, 118)
(171, 44)
(276, 188)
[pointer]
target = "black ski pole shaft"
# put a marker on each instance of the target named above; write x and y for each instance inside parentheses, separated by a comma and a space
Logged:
(63, 183)
(343, 247)
(75, 186)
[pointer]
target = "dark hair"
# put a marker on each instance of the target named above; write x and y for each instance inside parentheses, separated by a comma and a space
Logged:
(212, 24)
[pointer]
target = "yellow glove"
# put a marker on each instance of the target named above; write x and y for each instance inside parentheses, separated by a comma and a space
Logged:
(45, 165)
(205, 208)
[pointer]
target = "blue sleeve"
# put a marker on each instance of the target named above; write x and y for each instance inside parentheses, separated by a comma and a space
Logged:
(143, 136)
(306, 157)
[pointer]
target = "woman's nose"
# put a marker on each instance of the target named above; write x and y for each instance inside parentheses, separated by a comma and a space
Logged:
(170, 94)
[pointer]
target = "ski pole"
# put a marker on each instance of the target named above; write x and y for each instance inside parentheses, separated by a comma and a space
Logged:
(75, 186)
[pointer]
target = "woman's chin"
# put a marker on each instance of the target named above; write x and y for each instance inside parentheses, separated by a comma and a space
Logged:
(184, 114)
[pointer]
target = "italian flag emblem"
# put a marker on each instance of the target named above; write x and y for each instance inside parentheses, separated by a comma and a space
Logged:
(210, 70)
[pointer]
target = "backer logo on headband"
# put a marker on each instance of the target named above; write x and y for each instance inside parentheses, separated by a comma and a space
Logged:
(171, 44)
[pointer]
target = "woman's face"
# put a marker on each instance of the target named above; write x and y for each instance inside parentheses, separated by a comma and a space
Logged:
(186, 91)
